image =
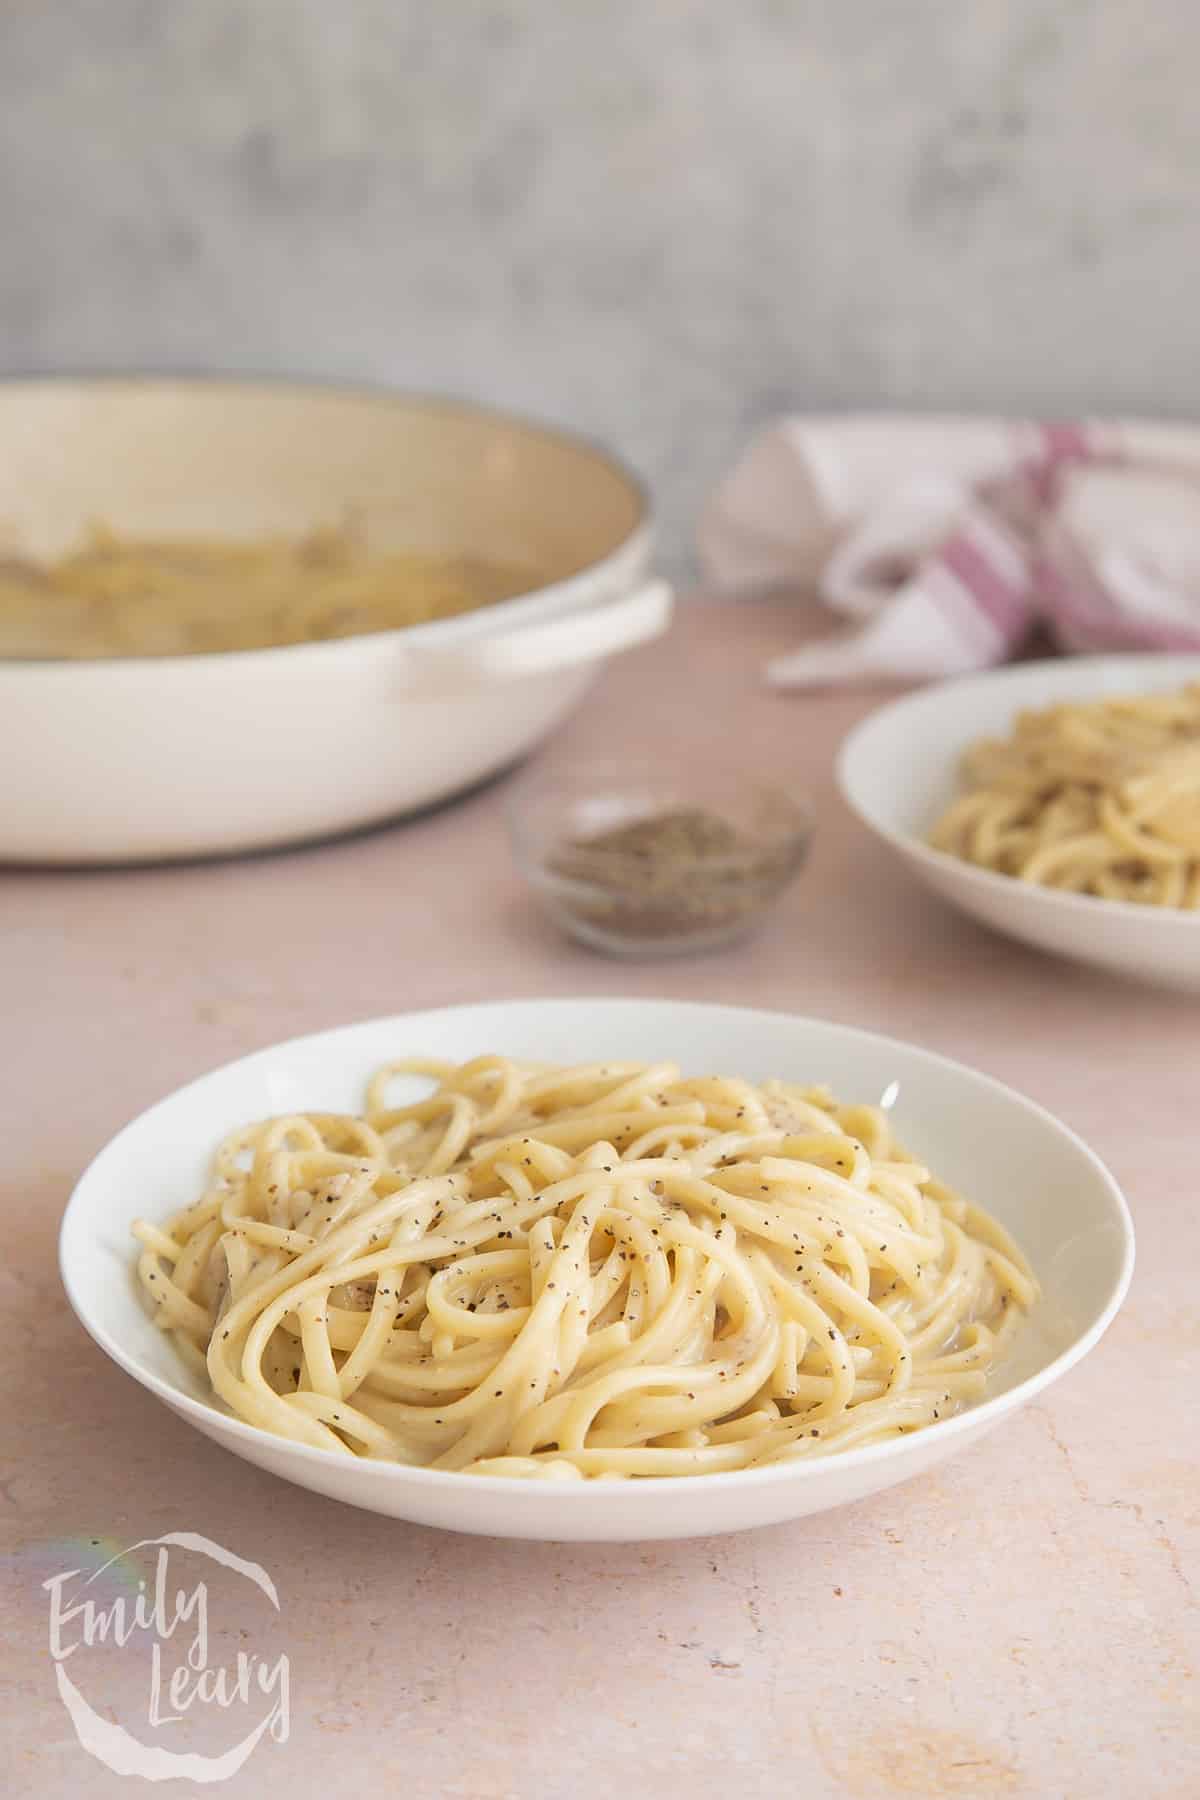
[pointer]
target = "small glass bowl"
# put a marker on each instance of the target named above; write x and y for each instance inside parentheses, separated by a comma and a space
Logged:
(722, 849)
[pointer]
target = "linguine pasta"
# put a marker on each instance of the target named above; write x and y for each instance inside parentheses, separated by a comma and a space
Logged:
(119, 596)
(1101, 798)
(607, 1270)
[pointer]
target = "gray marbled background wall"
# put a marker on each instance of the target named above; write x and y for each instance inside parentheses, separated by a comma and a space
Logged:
(657, 219)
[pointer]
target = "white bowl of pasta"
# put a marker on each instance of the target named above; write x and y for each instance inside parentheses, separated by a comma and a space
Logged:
(605, 1269)
(1076, 802)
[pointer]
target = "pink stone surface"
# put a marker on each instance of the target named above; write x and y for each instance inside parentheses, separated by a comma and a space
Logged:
(1021, 1623)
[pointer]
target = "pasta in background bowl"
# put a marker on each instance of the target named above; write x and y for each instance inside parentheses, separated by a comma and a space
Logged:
(1038, 1181)
(116, 596)
(900, 771)
(1098, 797)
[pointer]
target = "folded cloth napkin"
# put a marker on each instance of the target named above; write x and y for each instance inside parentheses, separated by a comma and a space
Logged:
(948, 539)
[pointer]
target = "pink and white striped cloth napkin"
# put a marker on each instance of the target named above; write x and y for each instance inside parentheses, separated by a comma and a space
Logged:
(946, 540)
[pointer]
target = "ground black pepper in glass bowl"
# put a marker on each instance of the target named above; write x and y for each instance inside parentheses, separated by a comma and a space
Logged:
(657, 858)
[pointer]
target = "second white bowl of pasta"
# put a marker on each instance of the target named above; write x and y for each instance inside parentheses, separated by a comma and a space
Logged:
(1057, 801)
(595, 1269)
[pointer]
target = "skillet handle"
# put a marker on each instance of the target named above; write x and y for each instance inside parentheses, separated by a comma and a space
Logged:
(563, 643)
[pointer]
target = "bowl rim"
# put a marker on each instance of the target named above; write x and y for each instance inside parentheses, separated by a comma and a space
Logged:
(971, 1420)
(991, 881)
(516, 609)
